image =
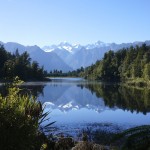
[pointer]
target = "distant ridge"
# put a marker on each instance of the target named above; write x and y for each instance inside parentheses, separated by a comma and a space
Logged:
(66, 56)
(50, 60)
(77, 56)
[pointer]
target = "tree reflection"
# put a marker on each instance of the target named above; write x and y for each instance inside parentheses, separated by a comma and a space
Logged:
(32, 90)
(123, 97)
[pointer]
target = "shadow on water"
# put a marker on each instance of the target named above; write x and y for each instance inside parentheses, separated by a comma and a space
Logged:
(33, 90)
(112, 95)
(123, 97)
(80, 104)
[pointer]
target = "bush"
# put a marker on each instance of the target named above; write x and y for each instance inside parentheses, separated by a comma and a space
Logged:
(19, 120)
(136, 138)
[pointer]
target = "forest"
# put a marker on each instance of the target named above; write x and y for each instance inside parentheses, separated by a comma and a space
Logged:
(59, 73)
(12, 65)
(127, 64)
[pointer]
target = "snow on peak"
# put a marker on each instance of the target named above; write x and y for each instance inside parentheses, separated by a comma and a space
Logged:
(98, 44)
(66, 46)
(63, 46)
(48, 49)
(71, 48)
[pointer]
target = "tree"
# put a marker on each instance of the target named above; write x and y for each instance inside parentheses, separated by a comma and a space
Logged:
(146, 72)
(3, 59)
(12, 65)
(125, 64)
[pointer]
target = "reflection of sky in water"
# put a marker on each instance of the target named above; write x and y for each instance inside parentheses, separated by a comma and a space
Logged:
(90, 116)
(70, 103)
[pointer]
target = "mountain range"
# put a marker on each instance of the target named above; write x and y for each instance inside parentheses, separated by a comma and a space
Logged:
(68, 57)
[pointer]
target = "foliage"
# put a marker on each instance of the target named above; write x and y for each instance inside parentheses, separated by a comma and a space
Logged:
(74, 73)
(136, 138)
(19, 120)
(16, 64)
(125, 64)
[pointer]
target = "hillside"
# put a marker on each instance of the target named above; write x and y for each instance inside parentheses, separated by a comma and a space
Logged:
(66, 56)
(127, 64)
(77, 56)
(12, 65)
(49, 60)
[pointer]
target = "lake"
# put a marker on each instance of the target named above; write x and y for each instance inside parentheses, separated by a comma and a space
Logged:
(76, 103)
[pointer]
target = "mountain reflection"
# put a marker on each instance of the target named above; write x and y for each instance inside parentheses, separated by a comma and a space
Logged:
(96, 96)
(30, 89)
(90, 95)
(123, 97)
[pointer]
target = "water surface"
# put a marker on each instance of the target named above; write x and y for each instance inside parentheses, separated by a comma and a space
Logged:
(75, 102)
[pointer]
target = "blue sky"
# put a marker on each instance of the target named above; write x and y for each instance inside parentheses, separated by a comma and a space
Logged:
(47, 22)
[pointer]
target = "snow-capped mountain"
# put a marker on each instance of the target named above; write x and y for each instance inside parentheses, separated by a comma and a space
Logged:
(77, 56)
(72, 47)
(66, 56)
(98, 44)
(62, 46)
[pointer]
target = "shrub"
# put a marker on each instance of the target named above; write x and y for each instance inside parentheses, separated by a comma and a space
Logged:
(19, 120)
(136, 138)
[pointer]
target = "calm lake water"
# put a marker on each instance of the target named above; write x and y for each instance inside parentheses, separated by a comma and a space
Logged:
(75, 102)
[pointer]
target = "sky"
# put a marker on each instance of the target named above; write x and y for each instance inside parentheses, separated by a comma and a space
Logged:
(47, 22)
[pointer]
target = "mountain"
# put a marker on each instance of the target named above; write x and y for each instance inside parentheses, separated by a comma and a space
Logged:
(77, 56)
(49, 60)
(129, 65)
(63, 46)
(66, 56)
(11, 47)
